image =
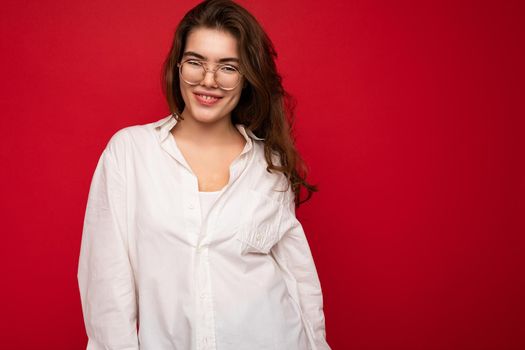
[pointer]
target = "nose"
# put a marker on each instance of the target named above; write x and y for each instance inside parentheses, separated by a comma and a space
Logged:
(209, 79)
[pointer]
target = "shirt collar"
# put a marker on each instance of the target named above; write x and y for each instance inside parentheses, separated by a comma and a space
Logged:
(167, 123)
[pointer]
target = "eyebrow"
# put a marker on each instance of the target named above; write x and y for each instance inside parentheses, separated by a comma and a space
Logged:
(222, 60)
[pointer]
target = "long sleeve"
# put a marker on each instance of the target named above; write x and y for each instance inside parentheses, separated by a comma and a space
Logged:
(292, 254)
(105, 276)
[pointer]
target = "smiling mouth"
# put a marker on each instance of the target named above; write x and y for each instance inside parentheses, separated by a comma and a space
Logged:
(207, 99)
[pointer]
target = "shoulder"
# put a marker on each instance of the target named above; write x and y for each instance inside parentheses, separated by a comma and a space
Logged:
(135, 135)
(126, 140)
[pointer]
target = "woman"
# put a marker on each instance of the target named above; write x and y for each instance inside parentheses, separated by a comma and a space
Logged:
(189, 242)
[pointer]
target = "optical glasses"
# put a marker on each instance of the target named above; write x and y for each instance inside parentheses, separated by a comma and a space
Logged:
(193, 72)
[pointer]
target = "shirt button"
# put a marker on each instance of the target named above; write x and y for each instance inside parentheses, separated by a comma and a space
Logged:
(258, 237)
(191, 206)
(203, 295)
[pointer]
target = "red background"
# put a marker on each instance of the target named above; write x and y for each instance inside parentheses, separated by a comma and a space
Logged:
(410, 116)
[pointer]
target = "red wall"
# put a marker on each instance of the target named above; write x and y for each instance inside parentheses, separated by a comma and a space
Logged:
(410, 115)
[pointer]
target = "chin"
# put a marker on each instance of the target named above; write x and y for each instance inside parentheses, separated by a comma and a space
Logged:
(206, 116)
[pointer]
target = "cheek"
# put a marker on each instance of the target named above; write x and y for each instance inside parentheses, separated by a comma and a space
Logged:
(184, 92)
(234, 98)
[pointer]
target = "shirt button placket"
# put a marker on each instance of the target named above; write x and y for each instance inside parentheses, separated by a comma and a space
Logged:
(204, 306)
(205, 303)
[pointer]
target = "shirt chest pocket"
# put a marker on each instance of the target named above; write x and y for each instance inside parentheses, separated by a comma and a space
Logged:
(258, 226)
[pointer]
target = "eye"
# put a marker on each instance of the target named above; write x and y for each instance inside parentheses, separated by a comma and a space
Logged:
(194, 63)
(228, 69)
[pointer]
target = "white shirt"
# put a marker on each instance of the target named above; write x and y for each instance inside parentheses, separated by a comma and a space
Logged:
(240, 278)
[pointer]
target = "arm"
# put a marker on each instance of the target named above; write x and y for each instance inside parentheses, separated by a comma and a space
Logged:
(105, 277)
(292, 254)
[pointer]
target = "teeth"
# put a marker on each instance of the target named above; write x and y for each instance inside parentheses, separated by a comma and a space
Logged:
(206, 97)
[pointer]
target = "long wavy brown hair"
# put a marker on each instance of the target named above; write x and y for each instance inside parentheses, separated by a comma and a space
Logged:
(264, 106)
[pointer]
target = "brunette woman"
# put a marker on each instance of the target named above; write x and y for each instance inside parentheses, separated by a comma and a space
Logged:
(190, 237)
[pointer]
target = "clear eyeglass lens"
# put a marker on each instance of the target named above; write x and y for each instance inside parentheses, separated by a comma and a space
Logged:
(226, 76)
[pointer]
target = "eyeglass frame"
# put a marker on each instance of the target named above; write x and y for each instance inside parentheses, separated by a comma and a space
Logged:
(206, 70)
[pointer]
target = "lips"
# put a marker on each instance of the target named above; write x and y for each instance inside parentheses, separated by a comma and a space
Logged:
(207, 99)
(207, 93)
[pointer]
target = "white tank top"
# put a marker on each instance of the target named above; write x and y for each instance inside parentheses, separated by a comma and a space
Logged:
(207, 199)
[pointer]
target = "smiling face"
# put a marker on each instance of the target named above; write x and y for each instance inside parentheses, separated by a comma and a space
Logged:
(206, 102)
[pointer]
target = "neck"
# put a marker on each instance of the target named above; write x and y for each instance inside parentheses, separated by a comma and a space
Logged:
(213, 133)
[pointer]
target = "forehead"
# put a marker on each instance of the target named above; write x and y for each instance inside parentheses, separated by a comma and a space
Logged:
(211, 43)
